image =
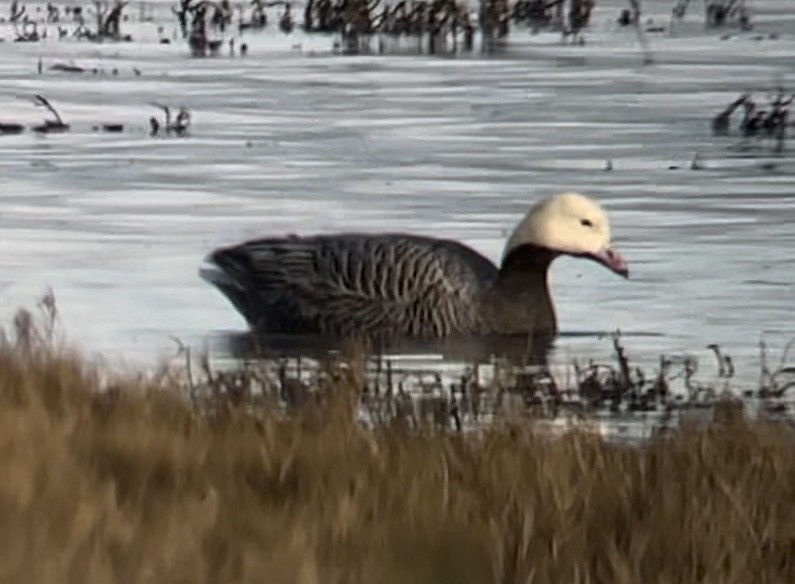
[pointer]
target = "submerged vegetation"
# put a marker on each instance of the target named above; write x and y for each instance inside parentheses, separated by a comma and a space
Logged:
(123, 478)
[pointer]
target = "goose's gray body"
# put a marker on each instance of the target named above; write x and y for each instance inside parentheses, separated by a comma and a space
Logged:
(392, 286)
(388, 285)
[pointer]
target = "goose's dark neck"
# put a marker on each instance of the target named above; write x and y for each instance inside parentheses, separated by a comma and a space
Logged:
(519, 301)
(526, 259)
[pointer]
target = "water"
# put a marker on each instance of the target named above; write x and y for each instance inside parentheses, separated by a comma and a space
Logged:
(294, 139)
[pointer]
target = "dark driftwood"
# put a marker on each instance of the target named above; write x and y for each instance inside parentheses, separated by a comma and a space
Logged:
(11, 128)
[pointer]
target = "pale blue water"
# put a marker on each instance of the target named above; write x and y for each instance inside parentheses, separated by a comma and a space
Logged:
(287, 140)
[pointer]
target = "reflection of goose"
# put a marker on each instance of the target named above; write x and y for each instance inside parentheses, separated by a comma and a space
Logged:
(399, 285)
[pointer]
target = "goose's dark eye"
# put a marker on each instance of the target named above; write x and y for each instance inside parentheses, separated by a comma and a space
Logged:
(586, 223)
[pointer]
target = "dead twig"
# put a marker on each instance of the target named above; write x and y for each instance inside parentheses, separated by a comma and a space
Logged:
(40, 100)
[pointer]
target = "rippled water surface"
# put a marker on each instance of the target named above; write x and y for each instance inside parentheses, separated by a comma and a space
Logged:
(295, 139)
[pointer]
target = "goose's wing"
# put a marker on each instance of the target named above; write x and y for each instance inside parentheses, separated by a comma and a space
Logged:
(354, 283)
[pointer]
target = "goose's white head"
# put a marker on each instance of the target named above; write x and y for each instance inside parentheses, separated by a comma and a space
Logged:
(572, 224)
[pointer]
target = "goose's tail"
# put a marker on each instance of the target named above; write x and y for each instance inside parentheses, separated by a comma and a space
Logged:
(228, 270)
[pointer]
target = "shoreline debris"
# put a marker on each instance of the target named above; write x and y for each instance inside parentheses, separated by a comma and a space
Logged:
(67, 68)
(179, 126)
(11, 128)
(110, 128)
(718, 13)
(770, 121)
(49, 126)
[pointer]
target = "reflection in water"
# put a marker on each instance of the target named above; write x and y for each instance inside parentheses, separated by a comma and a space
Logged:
(517, 350)
(513, 350)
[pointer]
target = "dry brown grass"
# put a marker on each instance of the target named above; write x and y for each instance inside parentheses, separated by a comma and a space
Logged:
(134, 484)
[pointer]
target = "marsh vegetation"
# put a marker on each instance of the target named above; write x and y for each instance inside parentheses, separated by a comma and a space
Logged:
(123, 477)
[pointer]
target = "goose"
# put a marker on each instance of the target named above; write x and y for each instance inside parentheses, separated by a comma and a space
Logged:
(401, 286)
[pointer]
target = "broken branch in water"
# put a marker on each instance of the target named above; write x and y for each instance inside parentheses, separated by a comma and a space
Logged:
(40, 100)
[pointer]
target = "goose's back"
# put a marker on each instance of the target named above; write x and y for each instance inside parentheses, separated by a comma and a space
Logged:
(350, 284)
